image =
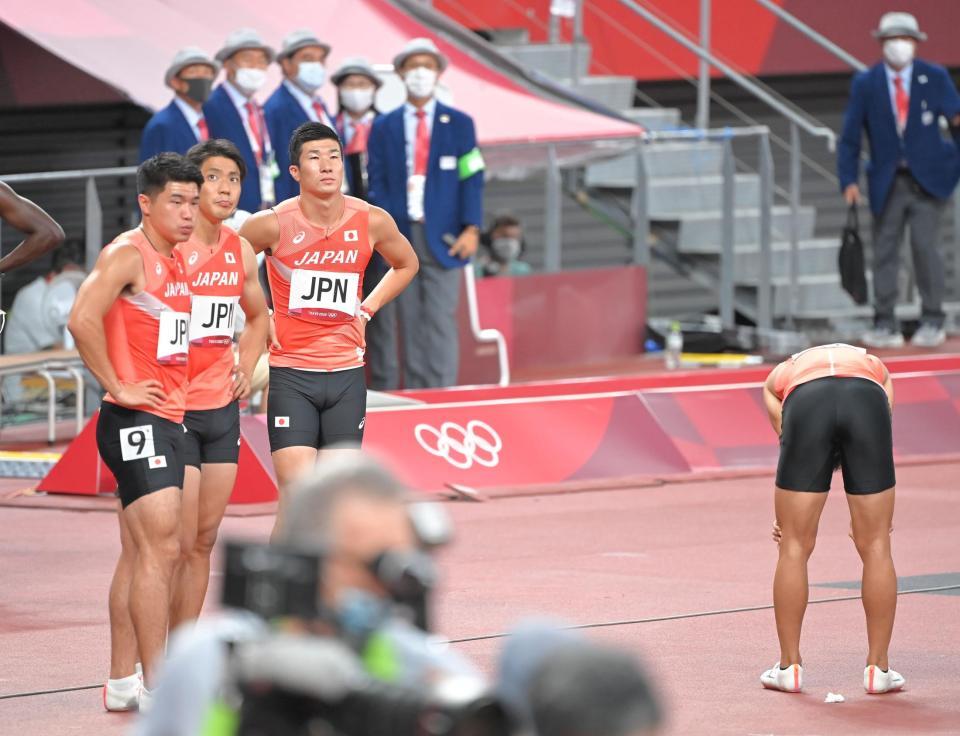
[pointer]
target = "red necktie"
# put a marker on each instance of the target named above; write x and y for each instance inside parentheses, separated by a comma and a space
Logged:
(903, 102)
(320, 112)
(421, 150)
(361, 132)
(204, 131)
(253, 119)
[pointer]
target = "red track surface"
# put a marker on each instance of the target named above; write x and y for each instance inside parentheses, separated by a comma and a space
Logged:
(595, 557)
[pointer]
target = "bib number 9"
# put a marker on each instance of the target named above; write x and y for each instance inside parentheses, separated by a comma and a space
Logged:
(136, 443)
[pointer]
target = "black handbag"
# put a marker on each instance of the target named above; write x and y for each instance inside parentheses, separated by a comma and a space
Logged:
(853, 275)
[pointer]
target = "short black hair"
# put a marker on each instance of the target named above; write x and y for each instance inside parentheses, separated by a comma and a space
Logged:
(583, 688)
(310, 132)
(69, 253)
(504, 219)
(154, 173)
(217, 147)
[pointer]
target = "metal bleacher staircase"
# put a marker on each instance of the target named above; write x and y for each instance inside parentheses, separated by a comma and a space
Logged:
(684, 189)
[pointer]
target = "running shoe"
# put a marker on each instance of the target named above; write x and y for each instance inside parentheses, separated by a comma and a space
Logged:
(145, 701)
(882, 337)
(789, 680)
(928, 336)
(876, 681)
(122, 694)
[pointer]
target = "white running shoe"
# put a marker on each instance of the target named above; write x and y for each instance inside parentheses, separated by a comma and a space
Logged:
(145, 700)
(882, 337)
(928, 336)
(122, 694)
(876, 681)
(789, 680)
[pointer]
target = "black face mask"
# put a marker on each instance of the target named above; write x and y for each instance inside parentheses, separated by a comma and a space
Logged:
(198, 89)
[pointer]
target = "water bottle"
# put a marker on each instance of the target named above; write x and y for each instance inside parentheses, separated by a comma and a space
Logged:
(673, 347)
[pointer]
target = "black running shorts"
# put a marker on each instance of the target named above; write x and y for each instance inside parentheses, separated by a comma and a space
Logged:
(837, 420)
(315, 409)
(143, 451)
(213, 435)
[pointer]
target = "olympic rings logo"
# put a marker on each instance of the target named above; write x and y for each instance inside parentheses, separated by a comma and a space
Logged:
(477, 443)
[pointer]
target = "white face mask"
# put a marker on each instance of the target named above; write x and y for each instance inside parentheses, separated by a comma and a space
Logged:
(357, 100)
(250, 79)
(898, 52)
(505, 249)
(420, 82)
(311, 75)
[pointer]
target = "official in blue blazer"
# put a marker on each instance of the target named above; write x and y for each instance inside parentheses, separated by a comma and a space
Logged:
(180, 125)
(233, 113)
(424, 168)
(303, 59)
(913, 169)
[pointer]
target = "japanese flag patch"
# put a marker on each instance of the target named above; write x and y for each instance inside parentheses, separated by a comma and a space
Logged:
(157, 461)
(281, 421)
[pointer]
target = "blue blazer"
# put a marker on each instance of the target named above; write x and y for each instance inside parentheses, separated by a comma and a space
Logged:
(284, 115)
(450, 203)
(167, 130)
(934, 162)
(223, 121)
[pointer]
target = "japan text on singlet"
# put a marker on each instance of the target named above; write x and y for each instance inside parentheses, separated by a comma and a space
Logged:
(147, 332)
(316, 279)
(837, 359)
(215, 275)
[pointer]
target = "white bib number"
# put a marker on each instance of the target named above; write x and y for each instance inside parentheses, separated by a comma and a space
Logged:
(325, 296)
(212, 319)
(172, 340)
(136, 443)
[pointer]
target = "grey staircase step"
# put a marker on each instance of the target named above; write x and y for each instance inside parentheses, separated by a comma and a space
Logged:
(553, 59)
(509, 36)
(822, 292)
(698, 194)
(701, 232)
(817, 257)
(654, 118)
(864, 313)
(661, 160)
(613, 92)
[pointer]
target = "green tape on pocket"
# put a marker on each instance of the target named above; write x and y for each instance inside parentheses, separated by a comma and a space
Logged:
(470, 163)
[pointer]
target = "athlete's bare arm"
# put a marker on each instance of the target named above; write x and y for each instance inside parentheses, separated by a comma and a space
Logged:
(261, 230)
(43, 233)
(772, 402)
(396, 250)
(118, 268)
(254, 336)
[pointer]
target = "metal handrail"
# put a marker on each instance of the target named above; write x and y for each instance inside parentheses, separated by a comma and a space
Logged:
(813, 35)
(35, 176)
(726, 287)
(743, 80)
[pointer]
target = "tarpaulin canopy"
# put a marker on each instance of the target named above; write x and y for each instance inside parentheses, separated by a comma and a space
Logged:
(128, 45)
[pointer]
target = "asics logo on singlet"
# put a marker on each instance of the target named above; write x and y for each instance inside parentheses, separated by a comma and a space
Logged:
(194, 257)
(298, 238)
(477, 443)
(159, 269)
